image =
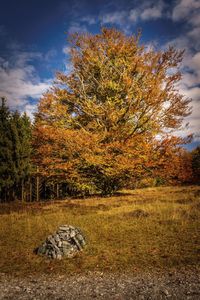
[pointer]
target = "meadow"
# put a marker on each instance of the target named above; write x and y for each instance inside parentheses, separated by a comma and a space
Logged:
(135, 230)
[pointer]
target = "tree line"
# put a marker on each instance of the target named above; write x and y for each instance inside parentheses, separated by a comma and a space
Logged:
(104, 126)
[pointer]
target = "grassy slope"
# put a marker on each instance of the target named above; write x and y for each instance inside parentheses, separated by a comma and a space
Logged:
(117, 240)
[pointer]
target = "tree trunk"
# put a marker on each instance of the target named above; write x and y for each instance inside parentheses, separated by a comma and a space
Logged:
(22, 196)
(37, 186)
(30, 190)
(45, 190)
(57, 190)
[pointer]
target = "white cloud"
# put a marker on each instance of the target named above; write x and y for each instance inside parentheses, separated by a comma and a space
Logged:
(114, 18)
(66, 50)
(50, 55)
(68, 65)
(193, 119)
(133, 15)
(76, 27)
(189, 40)
(192, 93)
(146, 11)
(195, 20)
(188, 11)
(19, 81)
(196, 60)
(189, 86)
(89, 20)
(189, 80)
(194, 33)
(149, 10)
(185, 9)
(151, 13)
(30, 110)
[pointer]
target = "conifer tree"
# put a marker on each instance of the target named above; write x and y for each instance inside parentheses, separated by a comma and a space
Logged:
(15, 151)
(21, 142)
(6, 162)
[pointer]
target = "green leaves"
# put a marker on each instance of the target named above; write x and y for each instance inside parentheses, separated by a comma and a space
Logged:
(15, 149)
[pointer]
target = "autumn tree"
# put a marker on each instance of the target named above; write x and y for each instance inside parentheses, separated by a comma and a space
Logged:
(174, 163)
(98, 125)
(196, 164)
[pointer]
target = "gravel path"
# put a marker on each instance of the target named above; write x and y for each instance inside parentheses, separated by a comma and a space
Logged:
(177, 285)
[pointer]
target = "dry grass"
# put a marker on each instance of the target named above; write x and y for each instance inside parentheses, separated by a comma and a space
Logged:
(153, 228)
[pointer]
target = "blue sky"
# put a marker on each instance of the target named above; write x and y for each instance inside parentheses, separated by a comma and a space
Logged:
(33, 42)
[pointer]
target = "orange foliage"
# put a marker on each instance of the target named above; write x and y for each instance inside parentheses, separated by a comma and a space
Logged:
(100, 122)
(175, 163)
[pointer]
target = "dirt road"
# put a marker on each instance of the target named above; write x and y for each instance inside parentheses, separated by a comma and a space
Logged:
(171, 285)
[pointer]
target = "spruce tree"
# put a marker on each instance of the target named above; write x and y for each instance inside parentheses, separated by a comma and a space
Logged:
(6, 162)
(15, 151)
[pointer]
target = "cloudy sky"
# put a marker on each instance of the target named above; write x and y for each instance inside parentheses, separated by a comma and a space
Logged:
(33, 42)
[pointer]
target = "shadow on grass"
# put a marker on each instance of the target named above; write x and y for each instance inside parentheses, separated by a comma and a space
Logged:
(81, 209)
(19, 207)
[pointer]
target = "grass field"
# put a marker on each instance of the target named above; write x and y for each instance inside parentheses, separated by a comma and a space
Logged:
(144, 229)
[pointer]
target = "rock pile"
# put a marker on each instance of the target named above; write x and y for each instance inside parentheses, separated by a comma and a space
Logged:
(67, 241)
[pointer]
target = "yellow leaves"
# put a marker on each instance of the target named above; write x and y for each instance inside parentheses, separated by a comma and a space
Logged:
(107, 112)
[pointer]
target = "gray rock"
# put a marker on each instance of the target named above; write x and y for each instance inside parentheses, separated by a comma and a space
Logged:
(77, 243)
(66, 244)
(42, 249)
(81, 240)
(59, 243)
(64, 228)
(57, 238)
(67, 241)
(72, 233)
